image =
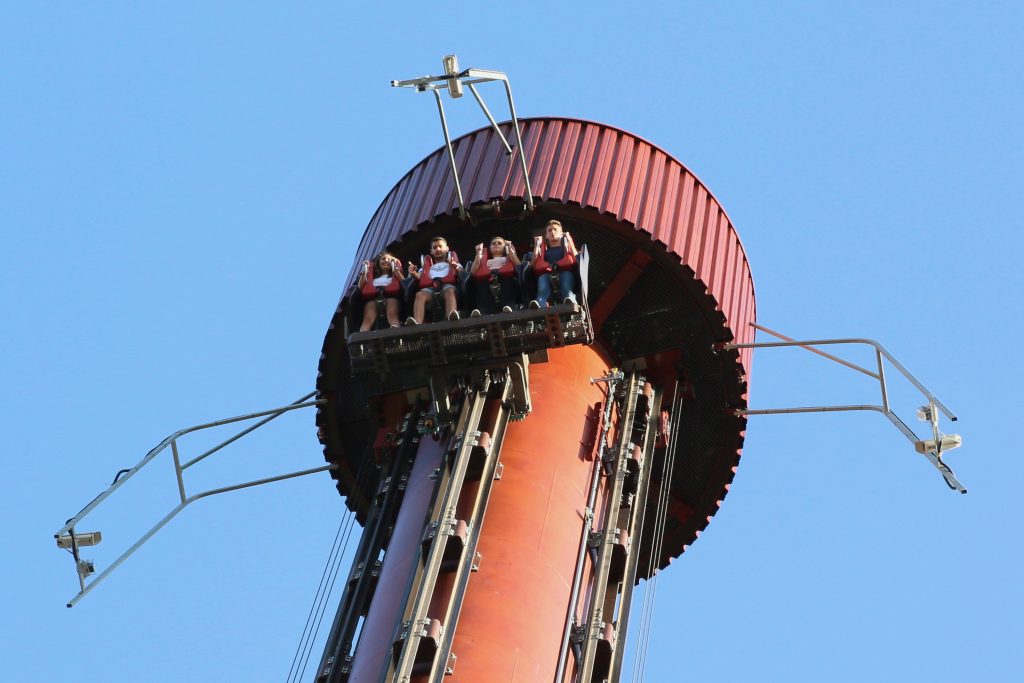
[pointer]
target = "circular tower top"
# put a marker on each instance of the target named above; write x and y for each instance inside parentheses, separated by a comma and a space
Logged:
(669, 282)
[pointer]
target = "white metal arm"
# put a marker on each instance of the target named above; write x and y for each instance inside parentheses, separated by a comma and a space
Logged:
(931, 449)
(67, 538)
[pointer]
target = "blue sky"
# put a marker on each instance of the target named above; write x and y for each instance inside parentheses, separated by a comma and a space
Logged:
(183, 186)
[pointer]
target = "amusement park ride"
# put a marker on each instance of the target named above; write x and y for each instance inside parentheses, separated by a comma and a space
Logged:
(517, 474)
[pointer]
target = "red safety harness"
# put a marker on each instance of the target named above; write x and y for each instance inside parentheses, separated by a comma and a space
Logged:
(450, 279)
(369, 291)
(482, 272)
(541, 265)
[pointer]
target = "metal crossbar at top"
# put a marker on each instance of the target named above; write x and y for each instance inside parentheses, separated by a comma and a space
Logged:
(66, 535)
(453, 80)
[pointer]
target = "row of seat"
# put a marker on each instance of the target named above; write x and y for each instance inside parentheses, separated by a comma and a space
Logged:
(469, 291)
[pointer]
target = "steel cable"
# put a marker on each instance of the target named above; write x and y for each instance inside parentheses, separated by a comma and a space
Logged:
(316, 611)
(326, 598)
(300, 649)
(657, 540)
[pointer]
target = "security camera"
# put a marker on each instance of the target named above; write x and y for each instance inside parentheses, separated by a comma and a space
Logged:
(86, 568)
(81, 540)
(924, 413)
(946, 443)
(451, 68)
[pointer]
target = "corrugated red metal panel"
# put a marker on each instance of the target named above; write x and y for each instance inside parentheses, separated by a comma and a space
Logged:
(596, 166)
(592, 165)
(617, 175)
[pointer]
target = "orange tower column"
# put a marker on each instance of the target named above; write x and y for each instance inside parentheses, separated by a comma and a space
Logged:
(514, 615)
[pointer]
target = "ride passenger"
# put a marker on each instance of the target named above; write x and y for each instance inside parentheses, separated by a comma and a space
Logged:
(439, 273)
(380, 280)
(494, 274)
(554, 252)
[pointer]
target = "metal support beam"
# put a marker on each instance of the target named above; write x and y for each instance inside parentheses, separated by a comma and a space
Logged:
(361, 584)
(463, 214)
(449, 486)
(933, 454)
(453, 82)
(612, 380)
(636, 526)
(122, 477)
(597, 615)
(616, 290)
(490, 452)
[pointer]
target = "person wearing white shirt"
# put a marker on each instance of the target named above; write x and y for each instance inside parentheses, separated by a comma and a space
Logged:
(494, 277)
(380, 279)
(439, 273)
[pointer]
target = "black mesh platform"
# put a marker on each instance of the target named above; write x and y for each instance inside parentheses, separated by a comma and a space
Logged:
(470, 340)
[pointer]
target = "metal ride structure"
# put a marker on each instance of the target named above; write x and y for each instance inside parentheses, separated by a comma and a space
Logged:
(626, 428)
(516, 475)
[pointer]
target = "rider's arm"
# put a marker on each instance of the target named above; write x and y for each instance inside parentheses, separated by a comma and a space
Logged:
(512, 255)
(478, 258)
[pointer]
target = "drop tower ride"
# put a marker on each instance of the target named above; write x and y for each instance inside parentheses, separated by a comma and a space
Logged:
(518, 474)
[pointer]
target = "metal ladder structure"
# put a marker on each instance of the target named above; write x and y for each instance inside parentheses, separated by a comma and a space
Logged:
(423, 643)
(362, 579)
(596, 626)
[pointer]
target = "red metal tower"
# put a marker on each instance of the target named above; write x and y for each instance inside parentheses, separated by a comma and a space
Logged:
(538, 586)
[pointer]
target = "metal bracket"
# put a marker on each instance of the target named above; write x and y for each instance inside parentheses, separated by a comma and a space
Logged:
(454, 80)
(931, 449)
(67, 534)
(471, 438)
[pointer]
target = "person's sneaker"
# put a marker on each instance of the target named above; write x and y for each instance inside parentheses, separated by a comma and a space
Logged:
(410, 321)
(534, 304)
(454, 315)
(506, 309)
(475, 313)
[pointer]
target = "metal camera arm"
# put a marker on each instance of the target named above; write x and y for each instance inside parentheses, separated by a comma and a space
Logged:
(931, 449)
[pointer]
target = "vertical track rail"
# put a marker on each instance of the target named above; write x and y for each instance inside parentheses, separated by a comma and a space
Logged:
(488, 454)
(416, 628)
(362, 578)
(610, 565)
(636, 525)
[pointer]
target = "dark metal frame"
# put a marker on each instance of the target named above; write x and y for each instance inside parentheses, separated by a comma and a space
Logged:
(362, 579)
(601, 600)
(415, 624)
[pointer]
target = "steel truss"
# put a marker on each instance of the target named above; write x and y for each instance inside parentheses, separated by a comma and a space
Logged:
(596, 629)
(930, 449)
(67, 537)
(366, 565)
(422, 644)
